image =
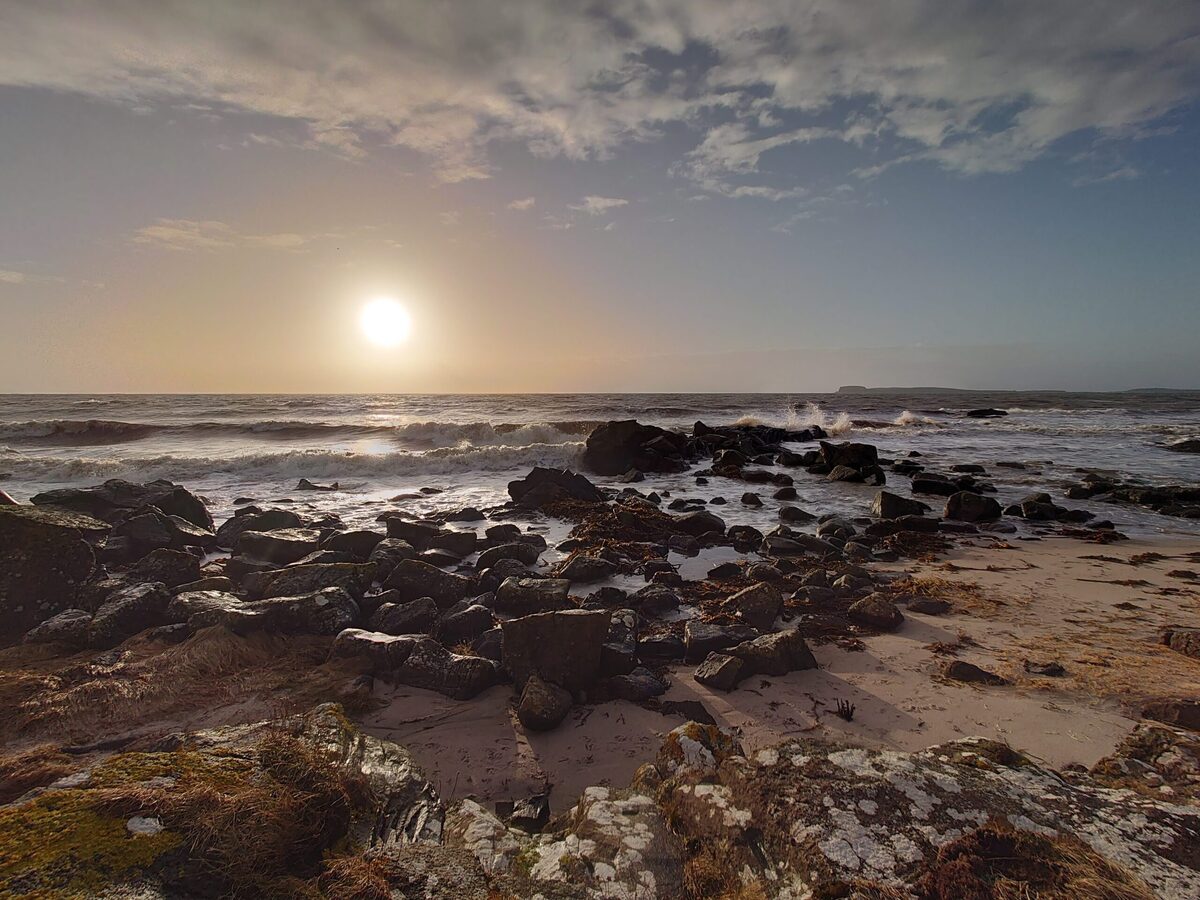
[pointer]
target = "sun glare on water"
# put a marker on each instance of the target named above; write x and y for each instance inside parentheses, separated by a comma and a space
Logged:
(385, 322)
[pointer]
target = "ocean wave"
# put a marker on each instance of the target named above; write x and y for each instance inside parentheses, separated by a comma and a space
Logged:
(813, 415)
(293, 464)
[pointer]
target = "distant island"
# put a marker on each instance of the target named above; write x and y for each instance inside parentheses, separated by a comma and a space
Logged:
(861, 389)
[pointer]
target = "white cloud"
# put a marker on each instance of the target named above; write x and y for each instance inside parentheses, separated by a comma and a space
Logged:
(12, 276)
(597, 206)
(523, 204)
(971, 86)
(190, 234)
(8, 276)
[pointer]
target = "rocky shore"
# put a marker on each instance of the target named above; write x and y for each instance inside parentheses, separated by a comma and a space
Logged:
(201, 709)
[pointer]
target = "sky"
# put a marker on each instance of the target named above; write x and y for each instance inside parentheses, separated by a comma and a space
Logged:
(635, 195)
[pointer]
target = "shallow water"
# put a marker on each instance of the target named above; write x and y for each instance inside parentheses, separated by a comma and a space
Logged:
(378, 446)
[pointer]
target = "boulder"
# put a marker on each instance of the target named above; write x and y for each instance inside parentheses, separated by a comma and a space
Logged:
(985, 413)
(253, 519)
(616, 447)
(795, 515)
(69, 627)
(775, 654)
(464, 622)
(968, 507)
(892, 506)
(359, 543)
(281, 546)
(1183, 640)
(414, 617)
(128, 612)
(758, 605)
(419, 535)
(45, 556)
(543, 485)
(702, 638)
(700, 523)
(328, 611)
(114, 500)
(521, 551)
(521, 596)
(876, 611)
(930, 606)
(353, 578)
(388, 554)
(961, 670)
(415, 579)
(431, 666)
(1187, 445)
(561, 647)
(585, 569)
(542, 705)
(171, 567)
(719, 671)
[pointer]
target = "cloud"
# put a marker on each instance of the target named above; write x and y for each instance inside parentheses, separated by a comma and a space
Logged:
(523, 204)
(1124, 173)
(968, 85)
(190, 234)
(8, 276)
(597, 206)
(12, 276)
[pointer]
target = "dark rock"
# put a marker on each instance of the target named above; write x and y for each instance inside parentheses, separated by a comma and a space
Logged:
(415, 579)
(521, 596)
(892, 506)
(637, 686)
(930, 606)
(987, 413)
(457, 543)
(388, 554)
(45, 556)
(431, 666)
(931, 483)
(523, 552)
(542, 705)
(751, 499)
(354, 578)
(795, 515)
(586, 569)
(171, 567)
(250, 519)
(114, 500)
(327, 611)
(543, 485)
(282, 546)
(69, 627)
(876, 611)
(702, 638)
(1184, 713)
(774, 654)
(414, 617)
(700, 523)
(720, 671)
(1046, 669)
(465, 623)
(968, 507)
(128, 612)
(491, 578)
(1188, 445)
(958, 670)
(359, 543)
(616, 447)
(759, 605)
(563, 647)
(970, 468)
(1183, 640)
(655, 600)
(660, 648)
(419, 535)
(531, 815)
(785, 493)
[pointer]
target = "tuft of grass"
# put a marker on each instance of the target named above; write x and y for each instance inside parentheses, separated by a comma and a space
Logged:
(36, 767)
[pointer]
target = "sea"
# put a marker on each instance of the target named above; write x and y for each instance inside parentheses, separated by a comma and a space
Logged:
(382, 449)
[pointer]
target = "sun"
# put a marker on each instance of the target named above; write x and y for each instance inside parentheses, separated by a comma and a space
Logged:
(385, 322)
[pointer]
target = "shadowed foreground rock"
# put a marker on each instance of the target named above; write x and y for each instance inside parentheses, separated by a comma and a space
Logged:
(311, 807)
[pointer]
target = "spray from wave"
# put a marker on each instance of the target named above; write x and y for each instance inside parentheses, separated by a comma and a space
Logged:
(813, 415)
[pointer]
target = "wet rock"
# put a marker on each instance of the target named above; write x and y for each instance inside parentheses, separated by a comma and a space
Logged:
(986, 413)
(892, 506)
(785, 493)
(114, 500)
(876, 611)
(251, 519)
(128, 612)
(851, 462)
(418, 535)
(359, 543)
(45, 557)
(586, 569)
(464, 622)
(542, 705)
(775, 654)
(415, 579)
(655, 600)
(703, 638)
(561, 647)
(700, 523)
(720, 671)
(794, 515)
(751, 499)
(616, 447)
(758, 605)
(414, 617)
(968, 507)
(960, 670)
(521, 551)
(353, 578)
(660, 648)
(388, 554)
(282, 546)
(543, 485)
(521, 596)
(1187, 445)
(69, 627)
(171, 567)
(492, 577)
(456, 543)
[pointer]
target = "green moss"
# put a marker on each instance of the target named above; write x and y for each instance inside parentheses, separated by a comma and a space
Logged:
(217, 769)
(59, 846)
(523, 862)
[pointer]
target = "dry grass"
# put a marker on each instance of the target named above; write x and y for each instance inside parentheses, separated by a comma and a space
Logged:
(356, 878)
(963, 596)
(33, 768)
(998, 862)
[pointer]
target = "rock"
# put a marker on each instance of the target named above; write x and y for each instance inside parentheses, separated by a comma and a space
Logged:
(720, 671)
(114, 500)
(359, 543)
(543, 485)
(775, 654)
(561, 647)
(127, 612)
(616, 447)
(458, 543)
(986, 413)
(968, 507)
(414, 617)
(305, 485)
(171, 567)
(45, 556)
(700, 523)
(930, 606)
(250, 519)
(785, 493)
(419, 535)
(959, 670)
(431, 666)
(660, 648)
(586, 569)
(1188, 445)
(751, 499)
(759, 605)
(531, 815)
(795, 515)
(353, 578)
(1045, 669)
(281, 546)
(876, 611)
(637, 686)
(388, 554)
(69, 627)
(542, 705)
(702, 638)
(1183, 640)
(892, 506)
(464, 624)
(328, 611)
(524, 553)
(931, 483)
(655, 600)
(521, 596)
(1184, 713)
(415, 579)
